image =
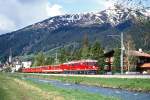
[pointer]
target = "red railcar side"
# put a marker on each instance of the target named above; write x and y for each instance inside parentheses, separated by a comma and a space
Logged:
(77, 67)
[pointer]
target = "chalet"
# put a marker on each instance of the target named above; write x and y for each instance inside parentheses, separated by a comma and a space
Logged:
(142, 63)
(109, 60)
(143, 60)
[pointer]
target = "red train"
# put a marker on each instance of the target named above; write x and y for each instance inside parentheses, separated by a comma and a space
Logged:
(72, 67)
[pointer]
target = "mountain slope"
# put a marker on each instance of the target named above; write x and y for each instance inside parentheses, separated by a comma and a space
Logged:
(60, 30)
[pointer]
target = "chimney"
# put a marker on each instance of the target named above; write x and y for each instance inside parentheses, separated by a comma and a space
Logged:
(140, 50)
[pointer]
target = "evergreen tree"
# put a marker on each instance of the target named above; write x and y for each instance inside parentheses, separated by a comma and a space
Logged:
(77, 54)
(49, 61)
(63, 55)
(85, 49)
(97, 53)
(148, 52)
(39, 59)
(116, 62)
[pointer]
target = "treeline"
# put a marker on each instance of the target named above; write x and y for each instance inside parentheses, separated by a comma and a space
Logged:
(86, 51)
(89, 51)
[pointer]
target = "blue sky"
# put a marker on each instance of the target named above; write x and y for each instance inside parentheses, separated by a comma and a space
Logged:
(16, 14)
(80, 6)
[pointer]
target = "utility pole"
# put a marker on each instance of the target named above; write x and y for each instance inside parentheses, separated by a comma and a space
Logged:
(122, 49)
(121, 56)
(56, 58)
(56, 50)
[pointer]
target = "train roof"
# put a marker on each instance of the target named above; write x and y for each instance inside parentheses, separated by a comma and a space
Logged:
(81, 61)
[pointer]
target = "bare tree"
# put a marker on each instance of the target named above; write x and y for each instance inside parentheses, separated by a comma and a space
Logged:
(131, 60)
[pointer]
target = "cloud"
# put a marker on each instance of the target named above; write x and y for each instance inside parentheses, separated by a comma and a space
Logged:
(106, 3)
(54, 10)
(6, 24)
(16, 14)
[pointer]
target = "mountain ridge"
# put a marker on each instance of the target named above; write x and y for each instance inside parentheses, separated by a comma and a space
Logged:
(63, 29)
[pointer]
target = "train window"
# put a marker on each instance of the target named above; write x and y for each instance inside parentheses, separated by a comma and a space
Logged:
(77, 64)
(92, 63)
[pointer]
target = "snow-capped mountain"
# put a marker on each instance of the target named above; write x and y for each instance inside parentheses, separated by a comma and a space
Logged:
(64, 29)
(114, 16)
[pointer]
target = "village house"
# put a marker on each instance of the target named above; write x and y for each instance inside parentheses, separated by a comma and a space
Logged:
(142, 61)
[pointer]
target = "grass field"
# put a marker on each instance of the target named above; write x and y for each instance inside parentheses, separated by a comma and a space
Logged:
(123, 83)
(12, 88)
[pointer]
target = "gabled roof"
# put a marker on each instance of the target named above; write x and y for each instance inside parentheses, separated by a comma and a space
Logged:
(138, 53)
(146, 65)
(109, 53)
(131, 52)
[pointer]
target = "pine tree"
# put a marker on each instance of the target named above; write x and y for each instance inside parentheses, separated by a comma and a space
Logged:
(97, 53)
(116, 62)
(39, 59)
(77, 54)
(49, 61)
(85, 49)
(63, 55)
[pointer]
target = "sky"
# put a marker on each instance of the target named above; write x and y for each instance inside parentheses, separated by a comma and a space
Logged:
(16, 14)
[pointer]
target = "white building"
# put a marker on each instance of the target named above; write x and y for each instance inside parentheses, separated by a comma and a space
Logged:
(26, 64)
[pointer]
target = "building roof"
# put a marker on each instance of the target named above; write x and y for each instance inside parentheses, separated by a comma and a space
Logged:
(131, 52)
(146, 65)
(138, 53)
(109, 53)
